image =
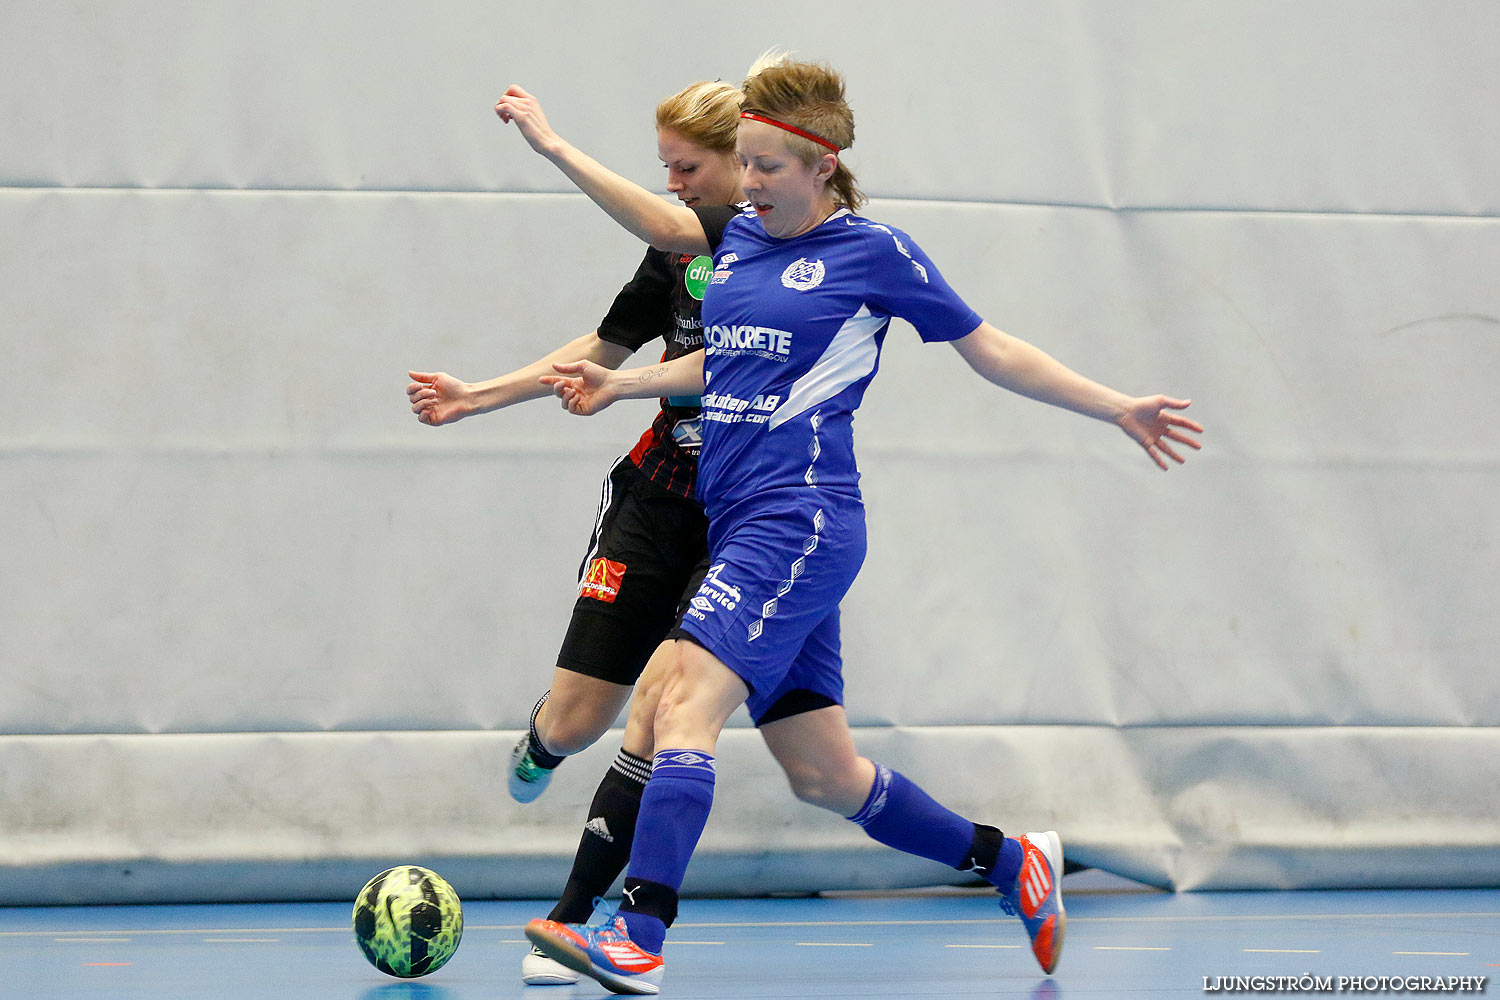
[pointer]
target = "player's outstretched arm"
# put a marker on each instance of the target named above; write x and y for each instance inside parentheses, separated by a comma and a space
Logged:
(1014, 364)
(664, 226)
(438, 398)
(587, 388)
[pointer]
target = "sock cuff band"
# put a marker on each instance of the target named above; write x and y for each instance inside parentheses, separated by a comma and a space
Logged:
(984, 852)
(880, 793)
(632, 767)
(684, 764)
(540, 755)
(649, 898)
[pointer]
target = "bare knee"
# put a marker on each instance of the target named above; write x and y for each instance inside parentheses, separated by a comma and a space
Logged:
(574, 717)
(566, 736)
(840, 786)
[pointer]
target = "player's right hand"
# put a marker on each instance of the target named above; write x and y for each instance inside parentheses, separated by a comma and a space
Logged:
(583, 387)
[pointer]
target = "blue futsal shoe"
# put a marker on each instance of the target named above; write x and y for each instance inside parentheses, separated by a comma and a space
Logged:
(1037, 897)
(602, 951)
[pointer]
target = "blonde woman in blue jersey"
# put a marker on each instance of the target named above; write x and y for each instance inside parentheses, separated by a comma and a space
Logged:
(796, 311)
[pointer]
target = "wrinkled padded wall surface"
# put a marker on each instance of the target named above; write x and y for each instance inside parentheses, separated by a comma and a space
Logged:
(260, 632)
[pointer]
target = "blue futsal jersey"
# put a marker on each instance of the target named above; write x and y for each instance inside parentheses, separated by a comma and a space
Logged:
(792, 332)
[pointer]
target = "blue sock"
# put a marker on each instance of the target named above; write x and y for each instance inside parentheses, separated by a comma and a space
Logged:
(1008, 867)
(674, 810)
(899, 814)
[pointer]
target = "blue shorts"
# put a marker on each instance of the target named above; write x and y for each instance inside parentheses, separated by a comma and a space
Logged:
(769, 605)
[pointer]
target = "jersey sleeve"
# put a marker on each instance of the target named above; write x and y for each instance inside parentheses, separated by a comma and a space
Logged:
(906, 283)
(715, 219)
(642, 311)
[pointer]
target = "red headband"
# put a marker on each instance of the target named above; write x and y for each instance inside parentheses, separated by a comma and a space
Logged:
(790, 128)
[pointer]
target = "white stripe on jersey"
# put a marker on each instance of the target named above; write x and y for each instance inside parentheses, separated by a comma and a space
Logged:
(850, 356)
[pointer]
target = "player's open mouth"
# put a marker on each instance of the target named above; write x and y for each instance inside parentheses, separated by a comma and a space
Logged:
(760, 209)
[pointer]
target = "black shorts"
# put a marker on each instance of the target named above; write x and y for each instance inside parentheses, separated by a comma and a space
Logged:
(647, 556)
(646, 559)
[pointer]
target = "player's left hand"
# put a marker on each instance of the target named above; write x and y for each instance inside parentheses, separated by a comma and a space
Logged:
(1151, 422)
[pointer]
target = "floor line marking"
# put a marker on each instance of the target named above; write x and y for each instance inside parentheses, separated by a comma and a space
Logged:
(1453, 954)
(96, 940)
(110, 965)
(222, 940)
(834, 944)
(1195, 918)
(168, 931)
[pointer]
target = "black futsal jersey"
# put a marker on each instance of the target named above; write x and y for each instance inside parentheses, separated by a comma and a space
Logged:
(665, 299)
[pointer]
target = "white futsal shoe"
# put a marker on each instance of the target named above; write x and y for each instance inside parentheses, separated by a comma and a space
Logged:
(526, 779)
(539, 970)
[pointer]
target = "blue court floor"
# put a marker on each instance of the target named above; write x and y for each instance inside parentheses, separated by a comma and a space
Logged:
(944, 943)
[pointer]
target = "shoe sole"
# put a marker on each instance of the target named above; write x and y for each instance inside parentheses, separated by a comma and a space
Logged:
(526, 793)
(1060, 927)
(567, 954)
(551, 973)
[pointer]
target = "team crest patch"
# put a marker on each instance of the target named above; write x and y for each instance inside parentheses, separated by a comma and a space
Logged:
(803, 275)
(602, 581)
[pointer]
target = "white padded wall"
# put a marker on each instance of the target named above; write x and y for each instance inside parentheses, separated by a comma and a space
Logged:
(260, 631)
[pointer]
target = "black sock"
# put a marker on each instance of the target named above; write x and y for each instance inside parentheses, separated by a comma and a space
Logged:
(604, 848)
(539, 755)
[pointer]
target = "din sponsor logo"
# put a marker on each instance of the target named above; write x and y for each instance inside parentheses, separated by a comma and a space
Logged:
(695, 278)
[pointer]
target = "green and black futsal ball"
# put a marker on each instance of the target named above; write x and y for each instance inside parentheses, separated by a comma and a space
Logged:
(408, 921)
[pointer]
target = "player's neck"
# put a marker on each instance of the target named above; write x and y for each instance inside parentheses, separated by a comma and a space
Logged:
(817, 214)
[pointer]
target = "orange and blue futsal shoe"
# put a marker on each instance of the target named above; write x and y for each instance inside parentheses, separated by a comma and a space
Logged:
(603, 951)
(1037, 897)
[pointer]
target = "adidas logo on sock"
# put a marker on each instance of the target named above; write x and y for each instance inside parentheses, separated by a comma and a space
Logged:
(600, 829)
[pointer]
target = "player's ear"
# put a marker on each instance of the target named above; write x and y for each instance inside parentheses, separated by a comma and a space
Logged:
(827, 164)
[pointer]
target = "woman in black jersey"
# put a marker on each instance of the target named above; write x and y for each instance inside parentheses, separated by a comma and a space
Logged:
(648, 540)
